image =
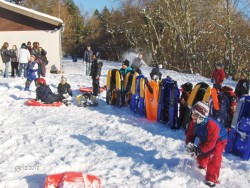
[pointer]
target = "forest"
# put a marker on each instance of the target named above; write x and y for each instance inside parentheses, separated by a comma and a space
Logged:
(188, 36)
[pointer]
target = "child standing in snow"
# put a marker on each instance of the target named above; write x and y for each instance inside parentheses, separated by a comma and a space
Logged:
(64, 88)
(31, 72)
(213, 139)
(218, 76)
(95, 74)
(44, 93)
(242, 87)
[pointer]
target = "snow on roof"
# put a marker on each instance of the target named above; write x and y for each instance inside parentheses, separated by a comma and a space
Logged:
(31, 13)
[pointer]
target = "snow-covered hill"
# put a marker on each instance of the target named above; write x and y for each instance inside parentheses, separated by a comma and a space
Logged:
(122, 148)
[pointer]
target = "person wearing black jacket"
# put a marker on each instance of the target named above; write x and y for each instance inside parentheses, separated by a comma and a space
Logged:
(64, 88)
(6, 55)
(87, 58)
(242, 87)
(95, 74)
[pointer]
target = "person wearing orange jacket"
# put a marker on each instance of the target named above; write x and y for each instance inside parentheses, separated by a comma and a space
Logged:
(218, 76)
(213, 139)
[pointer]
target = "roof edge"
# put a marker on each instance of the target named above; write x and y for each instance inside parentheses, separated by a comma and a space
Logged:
(31, 13)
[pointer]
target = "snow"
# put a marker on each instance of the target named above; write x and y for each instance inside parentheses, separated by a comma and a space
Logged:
(122, 148)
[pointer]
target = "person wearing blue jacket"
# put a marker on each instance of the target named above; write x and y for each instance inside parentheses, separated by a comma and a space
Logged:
(32, 72)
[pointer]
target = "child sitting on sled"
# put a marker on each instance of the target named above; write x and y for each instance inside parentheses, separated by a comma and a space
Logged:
(64, 88)
(44, 93)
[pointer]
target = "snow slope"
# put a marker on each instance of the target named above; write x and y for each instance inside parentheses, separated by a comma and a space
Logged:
(122, 148)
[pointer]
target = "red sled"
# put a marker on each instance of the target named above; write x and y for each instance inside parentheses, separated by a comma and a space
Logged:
(72, 179)
(90, 89)
(33, 102)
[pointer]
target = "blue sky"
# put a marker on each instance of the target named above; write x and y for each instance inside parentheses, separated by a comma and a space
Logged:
(91, 5)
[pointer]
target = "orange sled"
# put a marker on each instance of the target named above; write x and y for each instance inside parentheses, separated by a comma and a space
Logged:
(72, 179)
(33, 102)
(90, 89)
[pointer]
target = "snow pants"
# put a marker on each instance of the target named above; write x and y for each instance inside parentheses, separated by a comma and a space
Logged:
(213, 161)
(96, 87)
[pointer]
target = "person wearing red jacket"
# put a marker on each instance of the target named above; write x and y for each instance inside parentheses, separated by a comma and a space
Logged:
(213, 139)
(218, 76)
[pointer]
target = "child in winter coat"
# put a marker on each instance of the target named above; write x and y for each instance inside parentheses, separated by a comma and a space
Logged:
(95, 74)
(186, 91)
(218, 76)
(64, 88)
(31, 72)
(44, 93)
(213, 139)
(125, 69)
(242, 87)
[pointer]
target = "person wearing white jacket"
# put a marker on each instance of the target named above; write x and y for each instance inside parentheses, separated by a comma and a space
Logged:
(24, 57)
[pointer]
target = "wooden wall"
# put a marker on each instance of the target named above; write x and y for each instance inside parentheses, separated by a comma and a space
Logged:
(11, 21)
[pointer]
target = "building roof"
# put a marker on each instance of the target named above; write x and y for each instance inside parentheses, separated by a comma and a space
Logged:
(31, 13)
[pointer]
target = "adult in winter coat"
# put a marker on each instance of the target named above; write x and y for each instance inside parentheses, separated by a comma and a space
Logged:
(213, 139)
(32, 72)
(95, 74)
(218, 76)
(87, 58)
(137, 63)
(42, 60)
(242, 87)
(6, 55)
(44, 93)
(14, 62)
(23, 57)
(64, 88)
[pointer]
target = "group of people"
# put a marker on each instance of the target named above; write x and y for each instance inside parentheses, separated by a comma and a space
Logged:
(20, 59)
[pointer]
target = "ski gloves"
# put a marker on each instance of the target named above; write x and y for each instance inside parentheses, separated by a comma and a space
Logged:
(192, 149)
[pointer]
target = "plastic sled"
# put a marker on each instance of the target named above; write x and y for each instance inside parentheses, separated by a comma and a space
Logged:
(90, 89)
(151, 100)
(114, 92)
(239, 137)
(72, 179)
(33, 102)
(168, 103)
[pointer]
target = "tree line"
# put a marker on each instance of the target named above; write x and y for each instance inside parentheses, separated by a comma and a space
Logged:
(186, 36)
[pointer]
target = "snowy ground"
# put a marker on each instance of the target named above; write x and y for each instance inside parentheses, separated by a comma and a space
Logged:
(122, 148)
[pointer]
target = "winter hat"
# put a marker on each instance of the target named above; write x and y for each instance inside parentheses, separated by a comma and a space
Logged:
(63, 79)
(187, 87)
(24, 46)
(41, 81)
(219, 64)
(125, 62)
(201, 109)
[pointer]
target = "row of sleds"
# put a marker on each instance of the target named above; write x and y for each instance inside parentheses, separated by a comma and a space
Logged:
(158, 100)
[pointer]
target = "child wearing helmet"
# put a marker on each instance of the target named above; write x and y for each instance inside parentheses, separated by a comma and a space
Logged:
(44, 93)
(213, 139)
(64, 88)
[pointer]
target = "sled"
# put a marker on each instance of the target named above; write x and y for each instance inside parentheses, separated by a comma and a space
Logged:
(200, 92)
(133, 92)
(33, 102)
(239, 137)
(72, 179)
(90, 89)
(214, 95)
(127, 87)
(151, 100)
(168, 103)
(114, 90)
(138, 97)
